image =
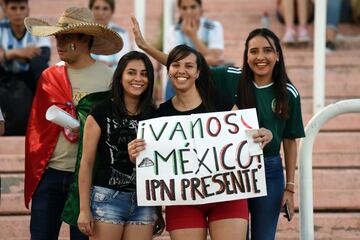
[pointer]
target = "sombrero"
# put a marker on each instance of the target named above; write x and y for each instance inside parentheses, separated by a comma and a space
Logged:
(78, 20)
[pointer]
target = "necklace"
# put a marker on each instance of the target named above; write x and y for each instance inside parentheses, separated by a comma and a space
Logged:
(184, 107)
(179, 104)
(133, 113)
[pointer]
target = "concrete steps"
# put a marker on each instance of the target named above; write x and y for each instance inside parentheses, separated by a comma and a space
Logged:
(339, 226)
(327, 226)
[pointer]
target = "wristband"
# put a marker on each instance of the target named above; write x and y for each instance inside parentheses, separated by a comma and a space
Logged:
(290, 183)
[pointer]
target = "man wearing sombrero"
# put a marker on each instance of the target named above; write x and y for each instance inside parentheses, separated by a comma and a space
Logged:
(74, 85)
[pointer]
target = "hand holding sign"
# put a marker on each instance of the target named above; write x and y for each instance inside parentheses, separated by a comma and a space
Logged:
(134, 148)
(257, 139)
(199, 158)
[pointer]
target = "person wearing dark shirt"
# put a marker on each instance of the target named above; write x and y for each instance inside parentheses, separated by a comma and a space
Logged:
(108, 206)
(23, 57)
(189, 74)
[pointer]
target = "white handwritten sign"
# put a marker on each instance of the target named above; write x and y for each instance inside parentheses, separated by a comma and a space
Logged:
(198, 159)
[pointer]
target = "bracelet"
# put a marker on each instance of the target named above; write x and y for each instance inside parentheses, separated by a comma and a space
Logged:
(290, 183)
(288, 190)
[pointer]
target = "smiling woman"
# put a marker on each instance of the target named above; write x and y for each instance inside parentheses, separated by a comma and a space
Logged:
(195, 93)
(108, 206)
(262, 57)
(266, 86)
(134, 82)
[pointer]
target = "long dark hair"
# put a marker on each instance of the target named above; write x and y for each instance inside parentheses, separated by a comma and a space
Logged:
(203, 83)
(245, 92)
(146, 105)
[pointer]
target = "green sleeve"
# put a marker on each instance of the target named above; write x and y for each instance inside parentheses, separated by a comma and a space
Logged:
(226, 80)
(294, 127)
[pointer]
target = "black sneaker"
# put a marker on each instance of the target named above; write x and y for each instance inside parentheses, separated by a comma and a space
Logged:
(330, 46)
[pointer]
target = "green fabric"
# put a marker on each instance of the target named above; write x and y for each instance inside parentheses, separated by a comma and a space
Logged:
(226, 80)
(72, 206)
(291, 128)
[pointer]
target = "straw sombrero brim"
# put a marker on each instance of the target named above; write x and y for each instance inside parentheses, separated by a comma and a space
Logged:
(106, 41)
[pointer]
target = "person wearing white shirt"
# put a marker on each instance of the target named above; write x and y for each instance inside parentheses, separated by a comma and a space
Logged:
(103, 11)
(192, 29)
(23, 57)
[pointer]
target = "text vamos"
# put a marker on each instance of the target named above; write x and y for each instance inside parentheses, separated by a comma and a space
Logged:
(198, 159)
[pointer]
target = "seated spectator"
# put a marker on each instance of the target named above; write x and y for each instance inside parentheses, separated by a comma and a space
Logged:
(292, 12)
(355, 9)
(332, 21)
(22, 59)
(2, 15)
(103, 11)
(198, 32)
(337, 11)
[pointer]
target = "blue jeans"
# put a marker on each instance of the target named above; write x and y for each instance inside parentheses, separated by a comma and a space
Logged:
(264, 211)
(47, 205)
(116, 207)
(333, 13)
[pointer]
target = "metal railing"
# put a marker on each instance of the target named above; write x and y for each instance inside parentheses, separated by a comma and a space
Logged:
(319, 56)
(305, 163)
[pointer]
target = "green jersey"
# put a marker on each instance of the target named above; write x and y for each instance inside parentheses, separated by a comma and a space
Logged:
(226, 80)
(290, 128)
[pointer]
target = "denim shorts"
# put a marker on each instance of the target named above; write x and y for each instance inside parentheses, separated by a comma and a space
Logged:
(112, 206)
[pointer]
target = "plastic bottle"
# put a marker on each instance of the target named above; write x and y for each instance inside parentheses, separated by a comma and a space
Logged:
(265, 23)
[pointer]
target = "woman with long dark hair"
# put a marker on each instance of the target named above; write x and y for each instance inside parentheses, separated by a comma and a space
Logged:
(108, 206)
(266, 86)
(189, 74)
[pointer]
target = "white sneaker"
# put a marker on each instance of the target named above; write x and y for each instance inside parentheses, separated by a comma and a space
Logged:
(303, 35)
(289, 36)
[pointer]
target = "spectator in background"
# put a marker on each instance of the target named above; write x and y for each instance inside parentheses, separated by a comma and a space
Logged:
(332, 21)
(2, 14)
(292, 12)
(355, 10)
(198, 32)
(22, 59)
(103, 10)
(338, 11)
(2, 123)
